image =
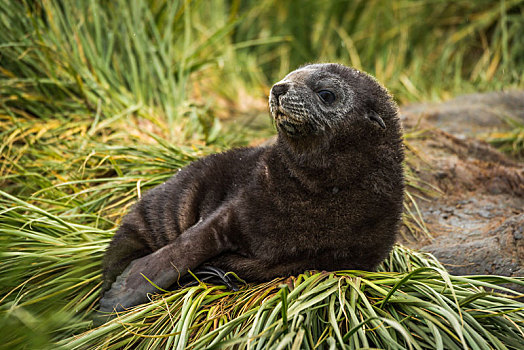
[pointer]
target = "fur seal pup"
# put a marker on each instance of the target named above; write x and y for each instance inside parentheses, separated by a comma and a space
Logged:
(326, 196)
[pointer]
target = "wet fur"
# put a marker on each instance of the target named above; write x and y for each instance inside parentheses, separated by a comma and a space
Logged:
(326, 196)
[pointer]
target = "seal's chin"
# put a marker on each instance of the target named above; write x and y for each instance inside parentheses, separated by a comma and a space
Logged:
(289, 128)
(287, 124)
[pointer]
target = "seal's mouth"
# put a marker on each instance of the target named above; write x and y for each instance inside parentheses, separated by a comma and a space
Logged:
(287, 123)
(282, 115)
(285, 120)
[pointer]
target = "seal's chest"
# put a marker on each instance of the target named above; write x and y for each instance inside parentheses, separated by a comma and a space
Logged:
(328, 214)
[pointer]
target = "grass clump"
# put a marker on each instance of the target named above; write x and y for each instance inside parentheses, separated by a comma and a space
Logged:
(116, 60)
(422, 308)
(410, 302)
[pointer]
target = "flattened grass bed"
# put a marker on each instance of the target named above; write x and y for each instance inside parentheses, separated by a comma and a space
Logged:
(410, 302)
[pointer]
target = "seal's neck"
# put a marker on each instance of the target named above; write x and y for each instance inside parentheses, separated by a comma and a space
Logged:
(313, 154)
(318, 164)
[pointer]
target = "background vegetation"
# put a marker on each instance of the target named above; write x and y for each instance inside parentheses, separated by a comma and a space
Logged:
(100, 100)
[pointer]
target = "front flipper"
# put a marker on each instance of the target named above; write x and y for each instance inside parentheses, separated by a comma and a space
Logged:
(209, 274)
(131, 286)
(163, 268)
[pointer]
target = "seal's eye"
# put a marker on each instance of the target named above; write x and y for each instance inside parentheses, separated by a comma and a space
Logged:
(327, 96)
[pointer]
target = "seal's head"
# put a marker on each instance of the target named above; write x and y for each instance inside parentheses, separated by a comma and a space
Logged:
(320, 100)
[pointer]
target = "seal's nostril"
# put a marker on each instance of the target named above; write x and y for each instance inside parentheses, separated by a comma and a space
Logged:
(279, 89)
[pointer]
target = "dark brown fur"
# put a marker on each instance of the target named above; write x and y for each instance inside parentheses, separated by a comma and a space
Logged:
(326, 196)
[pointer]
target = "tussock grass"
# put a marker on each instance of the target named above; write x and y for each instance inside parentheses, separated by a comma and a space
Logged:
(100, 101)
(116, 59)
(49, 273)
(423, 307)
(411, 301)
(418, 49)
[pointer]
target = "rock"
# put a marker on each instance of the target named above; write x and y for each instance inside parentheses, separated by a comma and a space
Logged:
(477, 218)
(471, 114)
(482, 251)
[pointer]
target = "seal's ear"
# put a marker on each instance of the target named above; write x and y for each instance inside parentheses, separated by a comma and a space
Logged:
(374, 117)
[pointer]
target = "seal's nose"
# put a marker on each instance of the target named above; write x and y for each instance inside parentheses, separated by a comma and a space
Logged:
(279, 89)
